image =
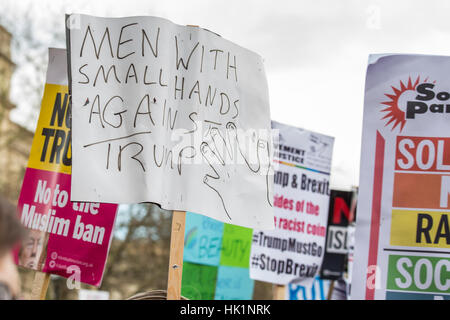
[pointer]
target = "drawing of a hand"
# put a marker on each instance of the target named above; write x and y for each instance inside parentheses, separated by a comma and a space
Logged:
(228, 156)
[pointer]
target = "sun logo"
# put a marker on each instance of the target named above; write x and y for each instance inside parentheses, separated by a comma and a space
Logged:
(395, 114)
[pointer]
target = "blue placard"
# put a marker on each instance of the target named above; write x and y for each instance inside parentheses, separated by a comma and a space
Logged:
(203, 239)
(233, 283)
(318, 291)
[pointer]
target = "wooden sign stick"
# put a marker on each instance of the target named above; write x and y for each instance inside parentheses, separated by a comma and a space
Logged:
(41, 280)
(40, 285)
(176, 251)
(330, 290)
(176, 255)
(279, 292)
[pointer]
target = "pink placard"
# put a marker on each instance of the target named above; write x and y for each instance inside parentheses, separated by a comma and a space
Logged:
(66, 238)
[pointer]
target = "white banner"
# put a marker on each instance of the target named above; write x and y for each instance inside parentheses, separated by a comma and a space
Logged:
(293, 252)
(169, 114)
(402, 228)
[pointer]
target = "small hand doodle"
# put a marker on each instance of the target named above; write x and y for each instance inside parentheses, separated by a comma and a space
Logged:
(220, 152)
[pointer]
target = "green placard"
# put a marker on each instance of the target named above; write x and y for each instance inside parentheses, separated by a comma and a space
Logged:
(418, 273)
(236, 244)
(199, 281)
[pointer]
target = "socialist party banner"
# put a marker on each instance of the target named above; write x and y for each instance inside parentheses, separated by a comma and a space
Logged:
(337, 249)
(169, 114)
(70, 239)
(215, 260)
(293, 252)
(402, 227)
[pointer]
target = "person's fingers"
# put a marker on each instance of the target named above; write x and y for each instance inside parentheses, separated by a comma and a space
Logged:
(232, 140)
(219, 145)
(264, 154)
(212, 182)
(211, 158)
(266, 168)
(250, 151)
(215, 184)
(258, 158)
(246, 144)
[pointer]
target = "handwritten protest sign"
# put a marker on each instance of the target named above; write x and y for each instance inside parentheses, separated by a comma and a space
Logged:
(294, 250)
(220, 253)
(70, 239)
(402, 229)
(169, 114)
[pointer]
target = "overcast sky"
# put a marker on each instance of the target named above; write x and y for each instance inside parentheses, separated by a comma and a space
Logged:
(315, 51)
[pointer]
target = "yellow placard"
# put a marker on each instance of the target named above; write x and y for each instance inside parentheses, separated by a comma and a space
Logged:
(420, 228)
(51, 149)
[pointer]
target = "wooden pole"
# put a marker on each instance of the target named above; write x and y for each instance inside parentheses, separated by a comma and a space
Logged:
(40, 286)
(330, 290)
(176, 255)
(279, 292)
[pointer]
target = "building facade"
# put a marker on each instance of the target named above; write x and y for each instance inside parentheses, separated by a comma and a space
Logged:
(15, 140)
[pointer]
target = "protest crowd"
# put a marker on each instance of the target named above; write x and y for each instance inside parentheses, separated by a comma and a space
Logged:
(155, 169)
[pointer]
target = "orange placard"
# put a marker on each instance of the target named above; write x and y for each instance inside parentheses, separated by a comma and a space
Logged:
(413, 190)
